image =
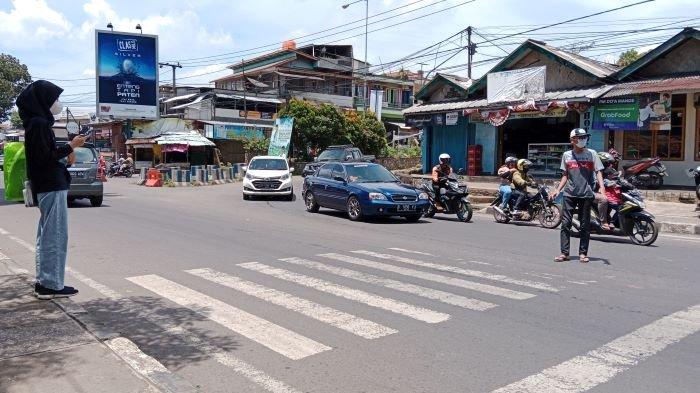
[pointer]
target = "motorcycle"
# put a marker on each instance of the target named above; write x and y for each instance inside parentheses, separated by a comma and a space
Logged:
(538, 205)
(454, 199)
(116, 170)
(629, 220)
(695, 173)
(641, 174)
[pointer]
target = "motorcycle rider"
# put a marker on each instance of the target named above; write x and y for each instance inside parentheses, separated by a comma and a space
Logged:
(439, 176)
(613, 195)
(521, 180)
(127, 163)
(505, 172)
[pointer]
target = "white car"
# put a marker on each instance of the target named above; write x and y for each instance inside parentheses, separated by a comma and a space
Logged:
(268, 176)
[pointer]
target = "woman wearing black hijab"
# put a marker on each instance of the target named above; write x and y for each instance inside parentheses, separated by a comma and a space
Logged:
(50, 180)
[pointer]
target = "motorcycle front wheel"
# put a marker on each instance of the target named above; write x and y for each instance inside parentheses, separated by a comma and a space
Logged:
(500, 218)
(644, 231)
(550, 216)
(430, 212)
(464, 211)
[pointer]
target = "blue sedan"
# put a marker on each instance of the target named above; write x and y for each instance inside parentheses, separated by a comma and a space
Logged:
(362, 190)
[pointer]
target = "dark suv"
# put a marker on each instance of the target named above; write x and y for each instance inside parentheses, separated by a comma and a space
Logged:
(337, 153)
(85, 183)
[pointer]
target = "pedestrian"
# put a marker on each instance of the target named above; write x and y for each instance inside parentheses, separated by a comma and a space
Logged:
(581, 169)
(50, 180)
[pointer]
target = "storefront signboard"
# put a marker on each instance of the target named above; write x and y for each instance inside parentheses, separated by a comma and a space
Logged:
(439, 119)
(127, 75)
(451, 118)
(655, 111)
(620, 113)
(281, 137)
(516, 85)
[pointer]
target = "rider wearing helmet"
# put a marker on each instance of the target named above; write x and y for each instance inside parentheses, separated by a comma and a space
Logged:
(505, 172)
(440, 175)
(613, 194)
(521, 180)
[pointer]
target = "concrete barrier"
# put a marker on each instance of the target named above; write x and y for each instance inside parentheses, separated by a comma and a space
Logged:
(142, 176)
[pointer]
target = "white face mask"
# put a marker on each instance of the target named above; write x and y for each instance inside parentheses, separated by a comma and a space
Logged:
(581, 143)
(56, 108)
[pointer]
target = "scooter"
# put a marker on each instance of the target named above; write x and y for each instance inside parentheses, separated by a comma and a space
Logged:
(630, 220)
(536, 206)
(454, 199)
(641, 174)
(116, 170)
(695, 173)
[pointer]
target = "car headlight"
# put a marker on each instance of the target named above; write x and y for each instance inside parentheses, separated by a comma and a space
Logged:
(377, 196)
(249, 176)
(284, 177)
(423, 196)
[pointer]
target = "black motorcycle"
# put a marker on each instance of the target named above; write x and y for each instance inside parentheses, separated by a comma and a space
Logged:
(454, 199)
(629, 220)
(695, 173)
(535, 206)
(116, 170)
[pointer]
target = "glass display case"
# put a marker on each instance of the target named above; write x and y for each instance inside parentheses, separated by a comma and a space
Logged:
(546, 158)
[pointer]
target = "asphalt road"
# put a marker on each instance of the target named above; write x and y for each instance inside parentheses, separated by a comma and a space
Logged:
(194, 276)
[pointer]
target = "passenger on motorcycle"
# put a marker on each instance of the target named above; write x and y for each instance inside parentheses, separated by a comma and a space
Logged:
(440, 174)
(521, 180)
(505, 172)
(129, 162)
(613, 193)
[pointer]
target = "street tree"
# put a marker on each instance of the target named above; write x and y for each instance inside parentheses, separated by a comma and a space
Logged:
(628, 57)
(365, 132)
(14, 77)
(15, 120)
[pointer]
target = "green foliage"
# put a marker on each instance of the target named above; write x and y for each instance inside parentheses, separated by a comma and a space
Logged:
(251, 143)
(14, 77)
(402, 152)
(319, 126)
(15, 120)
(628, 57)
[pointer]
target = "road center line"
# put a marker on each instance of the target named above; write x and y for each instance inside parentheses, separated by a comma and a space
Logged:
(268, 334)
(339, 319)
(457, 282)
(445, 297)
(602, 364)
(459, 270)
(395, 306)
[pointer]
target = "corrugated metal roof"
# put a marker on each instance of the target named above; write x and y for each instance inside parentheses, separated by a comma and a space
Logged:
(597, 68)
(458, 80)
(444, 106)
(180, 98)
(655, 86)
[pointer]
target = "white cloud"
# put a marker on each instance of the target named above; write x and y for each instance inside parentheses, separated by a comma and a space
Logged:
(88, 72)
(199, 75)
(31, 18)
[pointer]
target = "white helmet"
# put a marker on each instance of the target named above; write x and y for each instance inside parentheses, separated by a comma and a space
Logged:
(445, 159)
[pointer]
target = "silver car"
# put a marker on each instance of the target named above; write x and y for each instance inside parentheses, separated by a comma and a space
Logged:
(85, 182)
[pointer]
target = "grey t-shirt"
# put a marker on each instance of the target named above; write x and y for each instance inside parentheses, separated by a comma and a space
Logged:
(581, 169)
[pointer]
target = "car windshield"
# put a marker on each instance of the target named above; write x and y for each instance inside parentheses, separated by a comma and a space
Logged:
(331, 155)
(366, 173)
(268, 164)
(84, 155)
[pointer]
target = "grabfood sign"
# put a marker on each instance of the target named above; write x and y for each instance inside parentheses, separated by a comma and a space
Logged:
(127, 75)
(616, 114)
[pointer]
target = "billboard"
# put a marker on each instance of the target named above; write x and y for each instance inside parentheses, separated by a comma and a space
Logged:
(516, 85)
(616, 114)
(126, 69)
(281, 137)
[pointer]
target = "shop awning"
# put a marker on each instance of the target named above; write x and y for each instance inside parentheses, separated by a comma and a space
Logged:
(250, 98)
(196, 101)
(227, 123)
(257, 83)
(678, 84)
(140, 141)
(192, 138)
(288, 75)
(180, 98)
(402, 126)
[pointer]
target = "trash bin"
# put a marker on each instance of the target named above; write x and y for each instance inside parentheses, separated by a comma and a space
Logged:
(15, 171)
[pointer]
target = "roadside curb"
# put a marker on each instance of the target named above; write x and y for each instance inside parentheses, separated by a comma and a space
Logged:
(157, 376)
(664, 227)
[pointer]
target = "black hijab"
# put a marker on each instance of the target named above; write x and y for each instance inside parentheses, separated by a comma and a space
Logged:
(36, 100)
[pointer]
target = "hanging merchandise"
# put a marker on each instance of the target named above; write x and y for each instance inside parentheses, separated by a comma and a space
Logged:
(496, 117)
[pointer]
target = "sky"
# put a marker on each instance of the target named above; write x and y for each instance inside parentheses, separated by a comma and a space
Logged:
(55, 38)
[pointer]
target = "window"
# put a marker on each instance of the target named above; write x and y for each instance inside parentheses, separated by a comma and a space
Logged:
(338, 171)
(665, 144)
(325, 171)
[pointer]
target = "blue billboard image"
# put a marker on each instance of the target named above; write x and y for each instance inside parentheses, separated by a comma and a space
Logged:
(127, 75)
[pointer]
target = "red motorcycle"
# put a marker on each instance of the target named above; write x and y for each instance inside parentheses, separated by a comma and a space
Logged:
(646, 173)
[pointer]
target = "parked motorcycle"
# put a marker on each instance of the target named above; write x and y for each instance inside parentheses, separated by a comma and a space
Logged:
(646, 173)
(695, 173)
(535, 206)
(630, 220)
(116, 170)
(454, 199)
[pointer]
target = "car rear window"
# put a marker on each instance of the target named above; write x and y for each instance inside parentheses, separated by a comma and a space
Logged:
(84, 155)
(335, 154)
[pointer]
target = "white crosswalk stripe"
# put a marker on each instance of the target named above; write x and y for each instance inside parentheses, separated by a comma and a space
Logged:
(395, 306)
(459, 270)
(339, 319)
(457, 282)
(274, 337)
(445, 297)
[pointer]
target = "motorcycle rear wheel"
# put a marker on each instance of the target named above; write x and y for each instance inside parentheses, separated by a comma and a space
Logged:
(500, 218)
(550, 216)
(644, 232)
(464, 211)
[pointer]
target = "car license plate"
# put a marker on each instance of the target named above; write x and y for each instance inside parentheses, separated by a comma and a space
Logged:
(78, 173)
(405, 208)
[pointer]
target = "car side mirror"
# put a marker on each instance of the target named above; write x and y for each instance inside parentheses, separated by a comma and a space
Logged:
(291, 169)
(244, 168)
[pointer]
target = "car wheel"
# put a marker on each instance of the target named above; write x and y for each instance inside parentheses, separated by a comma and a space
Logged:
(354, 209)
(413, 218)
(96, 201)
(310, 202)
(289, 197)
(246, 197)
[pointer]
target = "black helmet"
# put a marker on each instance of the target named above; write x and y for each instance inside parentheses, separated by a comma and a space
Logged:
(606, 158)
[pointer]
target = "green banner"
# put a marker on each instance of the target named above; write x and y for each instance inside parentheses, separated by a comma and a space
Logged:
(616, 114)
(281, 137)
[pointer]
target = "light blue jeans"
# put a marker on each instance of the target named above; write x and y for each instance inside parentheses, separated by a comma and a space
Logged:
(506, 192)
(52, 239)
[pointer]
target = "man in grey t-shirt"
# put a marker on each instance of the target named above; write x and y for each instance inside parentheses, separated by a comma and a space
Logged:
(581, 170)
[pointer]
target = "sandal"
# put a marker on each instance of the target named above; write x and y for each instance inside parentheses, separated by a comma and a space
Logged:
(561, 258)
(583, 258)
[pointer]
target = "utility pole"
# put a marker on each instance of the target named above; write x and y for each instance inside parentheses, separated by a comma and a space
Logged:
(245, 99)
(366, 65)
(471, 50)
(174, 66)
